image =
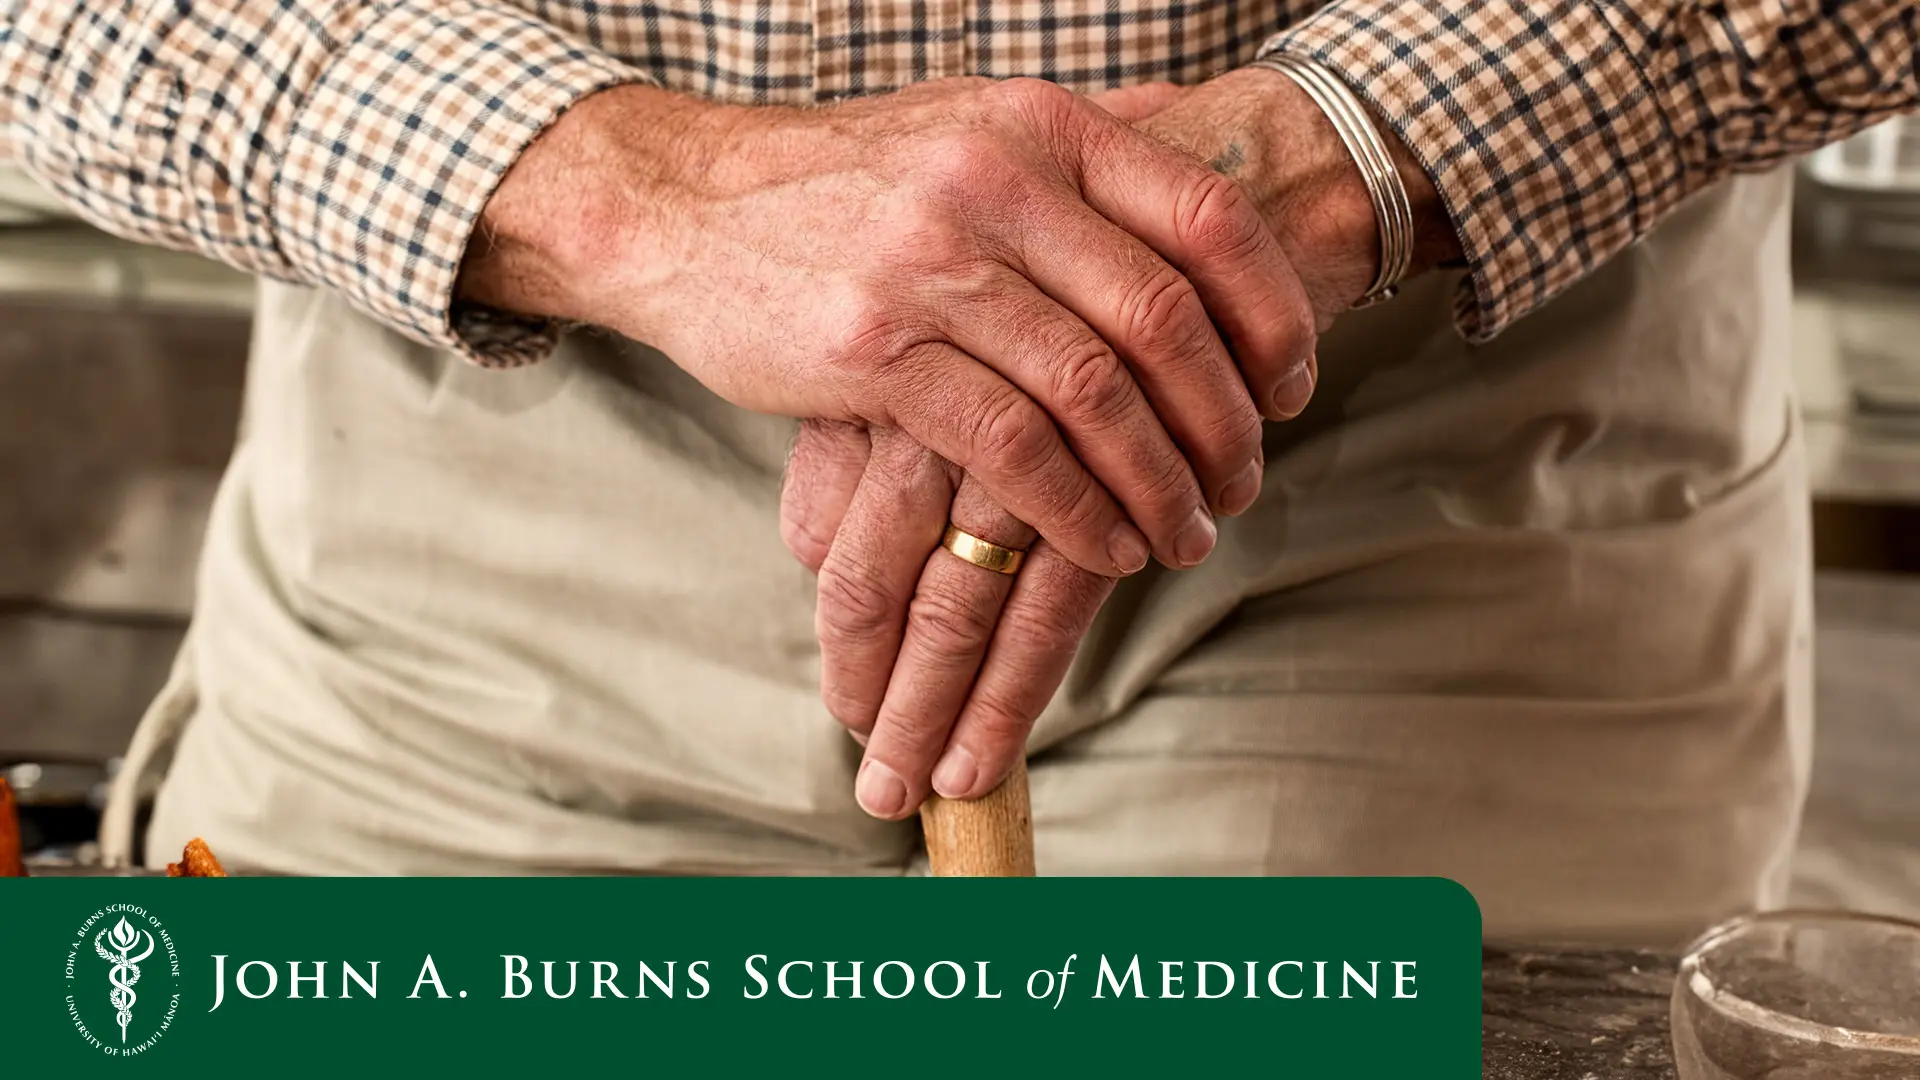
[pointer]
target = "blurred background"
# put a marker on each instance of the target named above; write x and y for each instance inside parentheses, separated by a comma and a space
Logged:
(121, 370)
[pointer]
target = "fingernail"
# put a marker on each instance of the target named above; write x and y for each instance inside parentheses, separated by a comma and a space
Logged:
(1128, 549)
(956, 774)
(858, 736)
(880, 790)
(1296, 387)
(1241, 490)
(1196, 538)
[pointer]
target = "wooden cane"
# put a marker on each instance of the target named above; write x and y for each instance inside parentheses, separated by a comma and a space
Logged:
(991, 836)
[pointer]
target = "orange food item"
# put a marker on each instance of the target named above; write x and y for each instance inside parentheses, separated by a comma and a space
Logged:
(196, 860)
(10, 864)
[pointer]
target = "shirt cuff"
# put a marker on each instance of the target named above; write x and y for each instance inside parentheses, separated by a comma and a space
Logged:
(412, 125)
(1538, 127)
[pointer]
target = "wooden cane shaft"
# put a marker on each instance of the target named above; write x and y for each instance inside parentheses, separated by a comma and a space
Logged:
(991, 836)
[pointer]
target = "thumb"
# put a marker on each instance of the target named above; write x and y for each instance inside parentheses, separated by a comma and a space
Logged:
(1135, 103)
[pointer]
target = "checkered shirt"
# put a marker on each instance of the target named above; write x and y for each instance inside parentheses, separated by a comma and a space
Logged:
(351, 144)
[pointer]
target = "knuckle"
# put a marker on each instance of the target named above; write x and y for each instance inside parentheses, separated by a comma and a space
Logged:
(1091, 384)
(903, 735)
(968, 277)
(874, 328)
(997, 718)
(1217, 217)
(804, 543)
(1236, 435)
(1038, 96)
(1045, 629)
(851, 606)
(1162, 311)
(925, 247)
(953, 623)
(1079, 508)
(1167, 483)
(1013, 436)
(950, 153)
(1017, 441)
(960, 163)
(926, 235)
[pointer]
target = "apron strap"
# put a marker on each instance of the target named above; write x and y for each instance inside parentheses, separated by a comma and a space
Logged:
(151, 749)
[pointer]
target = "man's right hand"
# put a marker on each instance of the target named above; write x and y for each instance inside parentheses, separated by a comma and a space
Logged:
(968, 261)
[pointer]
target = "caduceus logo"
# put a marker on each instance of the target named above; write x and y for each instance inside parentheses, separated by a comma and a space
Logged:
(124, 939)
(133, 942)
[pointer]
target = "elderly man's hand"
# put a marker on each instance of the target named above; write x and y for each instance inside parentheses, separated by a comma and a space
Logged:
(941, 667)
(924, 659)
(970, 262)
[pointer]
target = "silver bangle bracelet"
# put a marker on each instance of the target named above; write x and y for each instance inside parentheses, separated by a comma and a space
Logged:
(1363, 141)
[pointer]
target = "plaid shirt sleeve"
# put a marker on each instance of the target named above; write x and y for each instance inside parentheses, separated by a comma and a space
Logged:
(339, 143)
(1559, 131)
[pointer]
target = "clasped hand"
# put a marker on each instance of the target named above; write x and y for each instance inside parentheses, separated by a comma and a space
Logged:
(1056, 321)
(939, 667)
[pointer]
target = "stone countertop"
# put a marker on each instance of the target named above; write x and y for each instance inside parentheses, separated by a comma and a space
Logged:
(1575, 1013)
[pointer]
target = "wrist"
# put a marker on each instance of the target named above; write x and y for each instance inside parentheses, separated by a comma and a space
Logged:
(1319, 203)
(595, 188)
(1435, 240)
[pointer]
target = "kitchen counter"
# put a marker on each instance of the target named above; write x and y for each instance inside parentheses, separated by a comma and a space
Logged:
(1575, 1013)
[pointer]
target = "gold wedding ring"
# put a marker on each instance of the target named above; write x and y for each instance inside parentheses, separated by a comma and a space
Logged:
(981, 553)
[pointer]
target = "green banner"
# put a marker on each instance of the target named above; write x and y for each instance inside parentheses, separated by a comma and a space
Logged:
(1289, 977)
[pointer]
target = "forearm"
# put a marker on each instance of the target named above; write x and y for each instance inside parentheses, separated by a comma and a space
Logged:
(1558, 134)
(344, 144)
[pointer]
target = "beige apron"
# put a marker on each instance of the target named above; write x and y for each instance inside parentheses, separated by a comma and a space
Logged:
(1532, 615)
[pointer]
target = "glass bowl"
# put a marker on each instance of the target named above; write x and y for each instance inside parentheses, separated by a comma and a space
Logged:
(1800, 995)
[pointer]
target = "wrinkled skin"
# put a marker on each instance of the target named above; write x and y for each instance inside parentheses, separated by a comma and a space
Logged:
(940, 668)
(1026, 285)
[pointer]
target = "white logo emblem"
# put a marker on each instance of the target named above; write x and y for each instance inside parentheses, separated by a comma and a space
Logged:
(112, 1016)
(126, 967)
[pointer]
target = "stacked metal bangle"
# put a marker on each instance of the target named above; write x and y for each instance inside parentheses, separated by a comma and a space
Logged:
(1355, 128)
